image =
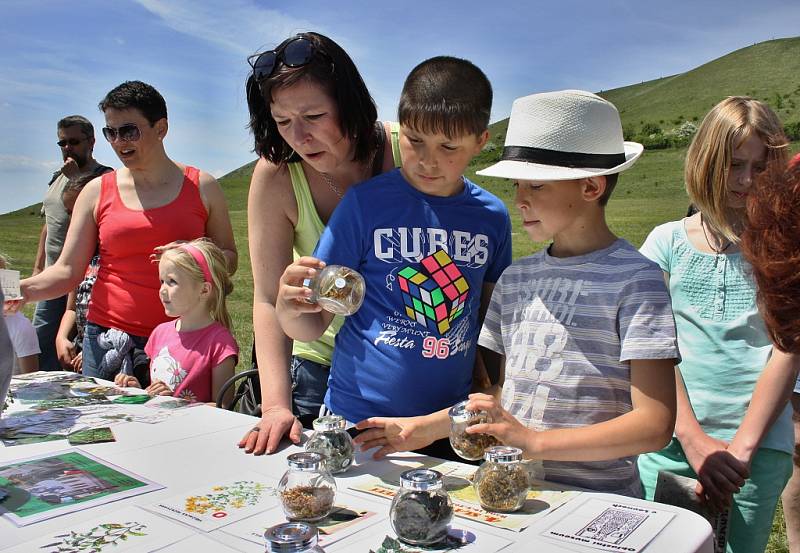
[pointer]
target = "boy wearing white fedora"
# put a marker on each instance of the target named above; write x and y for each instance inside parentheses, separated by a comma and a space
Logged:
(585, 325)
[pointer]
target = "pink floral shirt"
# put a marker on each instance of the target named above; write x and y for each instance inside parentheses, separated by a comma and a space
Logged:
(184, 360)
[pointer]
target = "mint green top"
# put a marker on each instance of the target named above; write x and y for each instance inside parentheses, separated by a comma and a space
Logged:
(307, 231)
(722, 339)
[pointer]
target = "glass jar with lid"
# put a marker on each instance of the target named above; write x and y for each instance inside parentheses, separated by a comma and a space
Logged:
(332, 440)
(501, 481)
(292, 537)
(307, 490)
(468, 446)
(337, 289)
(421, 511)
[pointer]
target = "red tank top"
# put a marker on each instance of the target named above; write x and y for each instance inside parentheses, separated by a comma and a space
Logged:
(125, 295)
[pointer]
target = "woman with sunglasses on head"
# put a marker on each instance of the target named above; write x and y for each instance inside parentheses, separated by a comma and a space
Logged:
(316, 133)
(127, 213)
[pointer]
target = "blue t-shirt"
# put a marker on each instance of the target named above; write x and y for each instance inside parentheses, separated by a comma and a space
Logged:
(410, 349)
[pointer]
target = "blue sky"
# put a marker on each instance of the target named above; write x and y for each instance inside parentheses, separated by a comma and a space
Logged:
(59, 58)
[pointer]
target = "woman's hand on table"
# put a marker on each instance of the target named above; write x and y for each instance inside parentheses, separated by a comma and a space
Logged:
(275, 423)
(719, 473)
(126, 381)
(393, 434)
(503, 425)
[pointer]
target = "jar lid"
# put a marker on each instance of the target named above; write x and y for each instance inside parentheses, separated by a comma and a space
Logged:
(305, 461)
(291, 536)
(421, 480)
(459, 413)
(503, 454)
(329, 422)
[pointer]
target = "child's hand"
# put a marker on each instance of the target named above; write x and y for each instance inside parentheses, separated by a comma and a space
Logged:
(158, 388)
(393, 434)
(292, 295)
(504, 426)
(77, 362)
(719, 473)
(65, 350)
(12, 306)
(126, 381)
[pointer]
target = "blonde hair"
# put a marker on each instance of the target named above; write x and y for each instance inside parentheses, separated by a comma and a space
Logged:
(708, 160)
(221, 284)
(5, 261)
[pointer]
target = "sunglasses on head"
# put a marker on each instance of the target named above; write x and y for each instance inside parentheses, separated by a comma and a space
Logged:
(128, 132)
(297, 52)
(71, 141)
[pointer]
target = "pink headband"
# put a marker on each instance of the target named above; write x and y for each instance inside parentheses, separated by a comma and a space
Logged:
(200, 259)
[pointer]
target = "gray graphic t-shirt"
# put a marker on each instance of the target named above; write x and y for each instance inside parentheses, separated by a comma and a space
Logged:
(568, 328)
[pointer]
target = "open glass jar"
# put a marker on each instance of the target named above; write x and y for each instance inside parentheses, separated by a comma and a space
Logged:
(332, 440)
(337, 289)
(501, 482)
(421, 511)
(307, 490)
(292, 537)
(468, 446)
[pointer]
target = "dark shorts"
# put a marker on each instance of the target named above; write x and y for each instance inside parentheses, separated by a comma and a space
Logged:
(309, 385)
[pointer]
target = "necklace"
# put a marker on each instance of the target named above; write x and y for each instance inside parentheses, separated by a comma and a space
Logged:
(713, 249)
(332, 185)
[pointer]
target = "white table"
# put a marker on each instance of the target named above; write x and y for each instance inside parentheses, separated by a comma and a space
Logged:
(199, 445)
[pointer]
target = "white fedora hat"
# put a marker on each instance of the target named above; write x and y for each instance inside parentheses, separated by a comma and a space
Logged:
(563, 135)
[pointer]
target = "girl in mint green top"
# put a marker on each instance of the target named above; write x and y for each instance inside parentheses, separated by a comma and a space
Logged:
(316, 133)
(733, 430)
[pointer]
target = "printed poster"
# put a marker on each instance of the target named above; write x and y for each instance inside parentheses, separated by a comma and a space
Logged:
(542, 498)
(53, 484)
(217, 505)
(610, 526)
(129, 529)
(350, 514)
(9, 282)
(382, 539)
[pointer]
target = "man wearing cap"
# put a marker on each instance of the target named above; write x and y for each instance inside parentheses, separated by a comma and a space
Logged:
(585, 325)
(76, 140)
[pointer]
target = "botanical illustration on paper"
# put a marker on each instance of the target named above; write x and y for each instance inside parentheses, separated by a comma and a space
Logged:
(243, 493)
(97, 539)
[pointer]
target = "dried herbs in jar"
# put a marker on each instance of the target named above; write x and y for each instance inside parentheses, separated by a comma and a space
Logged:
(332, 440)
(469, 446)
(307, 490)
(337, 289)
(501, 482)
(421, 511)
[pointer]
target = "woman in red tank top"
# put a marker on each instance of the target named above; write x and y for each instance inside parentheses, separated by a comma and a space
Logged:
(149, 202)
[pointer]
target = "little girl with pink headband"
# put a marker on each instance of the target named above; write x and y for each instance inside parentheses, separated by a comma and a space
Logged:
(191, 357)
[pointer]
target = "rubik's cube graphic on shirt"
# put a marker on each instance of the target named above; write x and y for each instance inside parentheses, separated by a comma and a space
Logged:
(435, 296)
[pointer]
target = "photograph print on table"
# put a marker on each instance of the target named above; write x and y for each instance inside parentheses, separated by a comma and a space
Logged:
(54, 484)
(214, 506)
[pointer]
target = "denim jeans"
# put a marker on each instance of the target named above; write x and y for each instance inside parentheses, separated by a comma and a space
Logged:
(46, 321)
(93, 355)
(309, 384)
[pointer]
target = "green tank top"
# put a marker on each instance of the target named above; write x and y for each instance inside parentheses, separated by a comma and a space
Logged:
(307, 231)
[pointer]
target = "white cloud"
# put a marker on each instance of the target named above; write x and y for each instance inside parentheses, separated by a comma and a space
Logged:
(12, 162)
(238, 26)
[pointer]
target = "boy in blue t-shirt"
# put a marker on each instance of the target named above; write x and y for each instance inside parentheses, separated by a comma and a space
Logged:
(430, 245)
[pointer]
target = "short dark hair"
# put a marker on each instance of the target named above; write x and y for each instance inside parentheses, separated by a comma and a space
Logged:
(77, 121)
(333, 70)
(136, 95)
(446, 95)
(611, 182)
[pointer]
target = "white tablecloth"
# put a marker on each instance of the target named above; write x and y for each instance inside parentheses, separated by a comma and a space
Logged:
(198, 446)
